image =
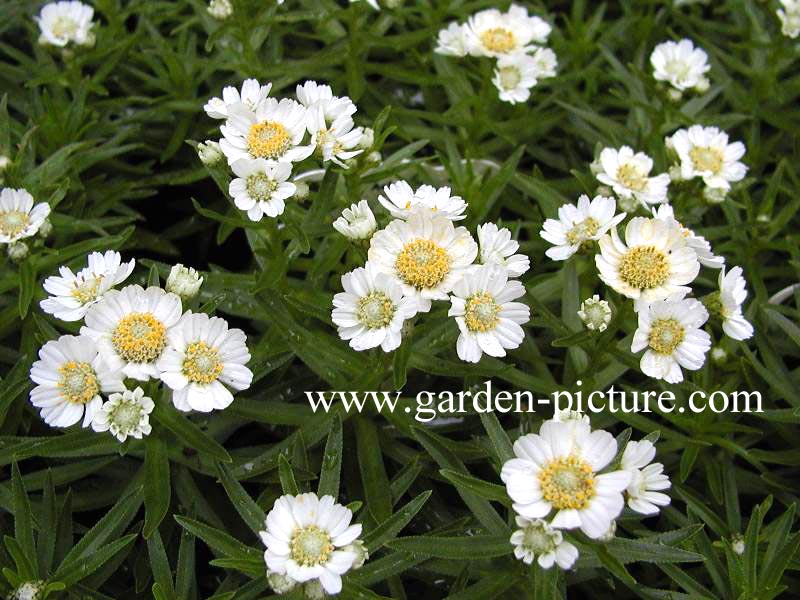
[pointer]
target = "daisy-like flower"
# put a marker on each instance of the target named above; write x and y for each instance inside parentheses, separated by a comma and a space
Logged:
(681, 65)
(670, 333)
(306, 537)
(514, 77)
(312, 94)
(425, 255)
(558, 471)
(595, 313)
(371, 310)
(337, 141)
(545, 63)
(698, 243)
(705, 152)
(647, 478)
(251, 95)
(653, 263)
(19, 218)
(628, 174)
(67, 21)
(727, 303)
(578, 227)
(536, 538)
(401, 201)
(497, 248)
(488, 319)
(203, 354)
(130, 327)
(451, 40)
(357, 222)
(70, 376)
(125, 415)
(789, 16)
(272, 130)
(71, 294)
(261, 187)
(493, 33)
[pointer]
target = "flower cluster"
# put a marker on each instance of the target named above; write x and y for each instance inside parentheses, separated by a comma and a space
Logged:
(566, 478)
(421, 257)
(789, 16)
(514, 38)
(66, 22)
(133, 333)
(682, 66)
(20, 218)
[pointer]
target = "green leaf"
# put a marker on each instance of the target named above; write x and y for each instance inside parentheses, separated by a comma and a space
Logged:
(386, 531)
(331, 461)
(288, 483)
(484, 489)
(458, 548)
(500, 442)
(23, 520)
(247, 508)
(189, 434)
(219, 541)
(27, 286)
(377, 491)
(156, 483)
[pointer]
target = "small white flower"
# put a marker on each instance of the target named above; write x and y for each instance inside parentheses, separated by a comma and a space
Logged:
(337, 141)
(66, 21)
(737, 543)
(492, 33)
(261, 187)
(315, 95)
(595, 313)
(371, 310)
(670, 333)
(251, 95)
(732, 294)
(70, 376)
(558, 471)
(402, 201)
(486, 316)
(681, 65)
(425, 255)
(125, 415)
(705, 152)
(577, 227)
(647, 478)
(356, 222)
(19, 218)
(209, 152)
(451, 40)
(537, 538)
(653, 263)
(367, 138)
(220, 9)
(203, 354)
(514, 77)
(789, 16)
(545, 63)
(184, 281)
(4, 162)
(497, 248)
(628, 174)
(306, 537)
(130, 327)
(698, 243)
(30, 590)
(71, 294)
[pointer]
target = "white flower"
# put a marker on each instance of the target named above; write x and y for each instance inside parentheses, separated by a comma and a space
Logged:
(732, 293)
(305, 538)
(220, 9)
(426, 255)
(497, 248)
(371, 310)
(670, 333)
(492, 33)
(311, 92)
(653, 263)
(125, 415)
(71, 294)
(681, 65)
(577, 227)
(183, 281)
(514, 77)
(486, 316)
(209, 152)
(203, 354)
(19, 218)
(537, 538)
(545, 63)
(737, 544)
(4, 162)
(558, 471)
(18, 251)
(315, 95)
(251, 95)
(628, 174)
(789, 16)
(402, 201)
(451, 40)
(367, 138)
(647, 478)
(595, 313)
(705, 152)
(70, 376)
(261, 187)
(130, 327)
(63, 22)
(280, 584)
(30, 590)
(698, 243)
(337, 141)
(272, 130)
(356, 222)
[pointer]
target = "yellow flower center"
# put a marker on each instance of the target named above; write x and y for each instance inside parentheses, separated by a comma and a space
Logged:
(86, 291)
(13, 222)
(423, 264)
(268, 139)
(139, 338)
(583, 231)
(310, 546)
(644, 267)
(201, 363)
(665, 335)
(509, 77)
(498, 40)
(64, 27)
(375, 310)
(567, 483)
(707, 159)
(260, 187)
(632, 177)
(78, 383)
(480, 312)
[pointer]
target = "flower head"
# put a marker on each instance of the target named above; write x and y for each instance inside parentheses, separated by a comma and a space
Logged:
(402, 201)
(261, 187)
(514, 76)
(789, 16)
(698, 243)
(647, 478)
(252, 95)
(595, 313)
(66, 21)
(681, 65)
(628, 174)
(578, 227)
(125, 415)
(451, 40)
(705, 152)
(184, 281)
(497, 248)
(536, 538)
(336, 140)
(209, 152)
(732, 294)
(356, 222)
(493, 33)
(19, 218)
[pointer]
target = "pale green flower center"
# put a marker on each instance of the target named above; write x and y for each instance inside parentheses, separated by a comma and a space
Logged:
(78, 383)
(707, 159)
(509, 77)
(665, 335)
(64, 27)
(310, 546)
(375, 310)
(480, 312)
(582, 231)
(13, 222)
(260, 187)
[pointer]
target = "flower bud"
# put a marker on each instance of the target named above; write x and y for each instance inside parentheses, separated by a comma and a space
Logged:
(360, 550)
(313, 590)
(367, 138)
(183, 281)
(714, 195)
(702, 85)
(737, 543)
(30, 590)
(280, 584)
(595, 313)
(45, 229)
(209, 152)
(220, 9)
(18, 251)
(302, 190)
(357, 222)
